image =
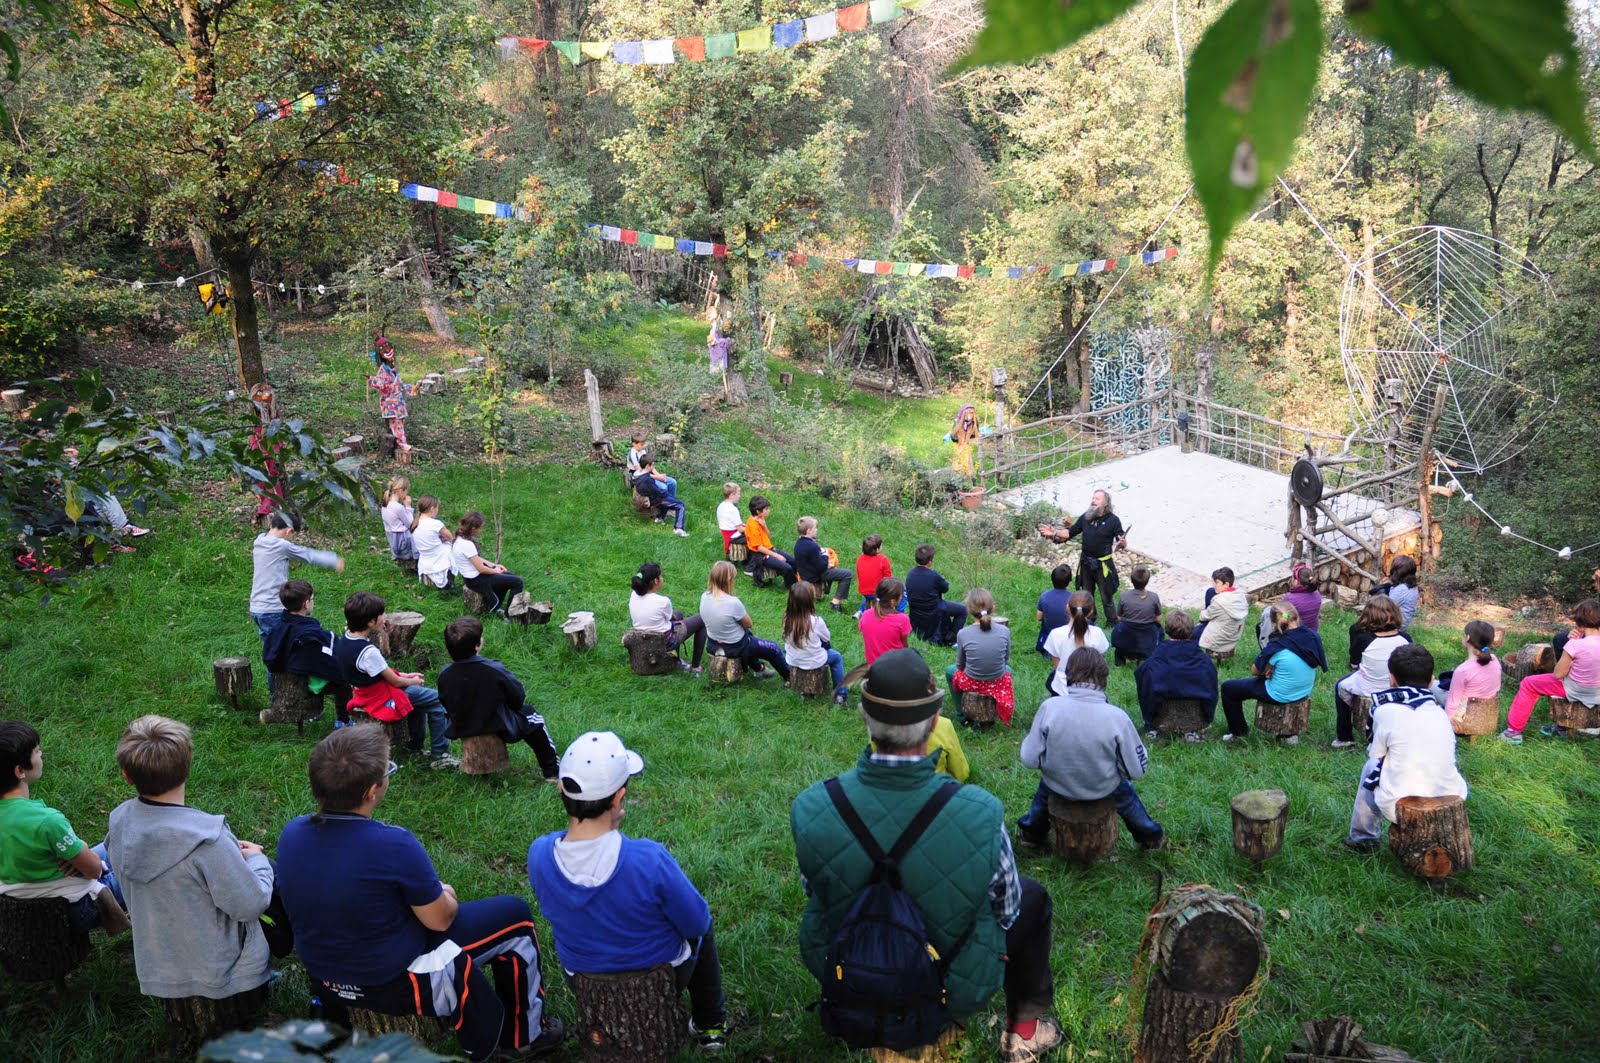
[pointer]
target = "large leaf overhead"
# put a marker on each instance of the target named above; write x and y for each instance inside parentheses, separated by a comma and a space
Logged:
(1015, 31)
(1250, 85)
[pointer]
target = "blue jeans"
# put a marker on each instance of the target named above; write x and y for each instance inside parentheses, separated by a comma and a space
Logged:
(1366, 820)
(669, 504)
(85, 913)
(266, 624)
(426, 705)
(836, 666)
(1146, 831)
(672, 487)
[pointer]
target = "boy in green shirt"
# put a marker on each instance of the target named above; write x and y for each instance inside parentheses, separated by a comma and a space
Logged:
(40, 854)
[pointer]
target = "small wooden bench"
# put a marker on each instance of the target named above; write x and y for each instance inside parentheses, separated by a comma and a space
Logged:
(980, 710)
(630, 1016)
(1181, 716)
(37, 942)
(1482, 717)
(484, 755)
(649, 653)
(809, 682)
(1285, 719)
(1431, 836)
(1083, 831)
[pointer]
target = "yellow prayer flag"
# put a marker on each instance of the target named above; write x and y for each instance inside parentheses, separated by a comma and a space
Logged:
(758, 39)
(389, 184)
(595, 49)
(483, 206)
(664, 243)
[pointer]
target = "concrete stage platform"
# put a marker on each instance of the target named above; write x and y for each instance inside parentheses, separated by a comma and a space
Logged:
(1192, 513)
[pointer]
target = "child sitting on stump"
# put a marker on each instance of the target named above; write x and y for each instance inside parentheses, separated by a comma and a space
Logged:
(197, 893)
(1284, 671)
(1178, 670)
(763, 555)
(1374, 637)
(652, 611)
(807, 642)
(1476, 677)
(814, 564)
(932, 618)
(729, 522)
(482, 697)
(1222, 620)
(983, 657)
(380, 691)
(398, 518)
(270, 555)
(1401, 587)
(1576, 678)
(1051, 611)
(1078, 633)
(491, 581)
(883, 627)
(873, 567)
(1413, 749)
(432, 540)
(300, 645)
(1138, 626)
(728, 626)
(660, 490)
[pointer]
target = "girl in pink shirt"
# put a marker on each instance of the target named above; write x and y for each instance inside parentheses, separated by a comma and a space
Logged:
(883, 628)
(1479, 675)
(1576, 678)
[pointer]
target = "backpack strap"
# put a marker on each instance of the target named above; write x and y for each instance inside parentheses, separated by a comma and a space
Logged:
(853, 821)
(889, 864)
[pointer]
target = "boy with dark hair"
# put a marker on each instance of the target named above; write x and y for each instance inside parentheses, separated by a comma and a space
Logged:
(1138, 626)
(380, 691)
(617, 903)
(376, 928)
(660, 490)
(1222, 621)
(270, 555)
(932, 618)
(758, 538)
(1051, 612)
(196, 892)
(1413, 749)
(1178, 669)
(482, 697)
(302, 646)
(40, 856)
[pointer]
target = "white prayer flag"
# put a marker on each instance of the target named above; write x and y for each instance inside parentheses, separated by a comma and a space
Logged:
(427, 195)
(659, 52)
(821, 27)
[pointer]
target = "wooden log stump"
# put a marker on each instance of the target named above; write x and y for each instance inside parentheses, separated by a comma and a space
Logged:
(644, 504)
(979, 709)
(1181, 716)
(401, 630)
(785, 379)
(1082, 832)
(1286, 720)
(353, 443)
(399, 731)
(724, 669)
(581, 631)
(37, 942)
(524, 610)
(1431, 836)
(473, 602)
(1573, 715)
(809, 682)
(1220, 658)
(423, 1028)
(1536, 658)
(666, 446)
(15, 399)
(1361, 713)
(292, 701)
(1205, 951)
(1259, 818)
(946, 1049)
(484, 755)
(389, 444)
(340, 453)
(630, 1017)
(201, 1019)
(1482, 717)
(738, 553)
(232, 676)
(648, 653)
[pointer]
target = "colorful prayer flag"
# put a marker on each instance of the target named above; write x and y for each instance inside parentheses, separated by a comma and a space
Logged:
(466, 203)
(502, 210)
(882, 268)
(630, 236)
(719, 250)
(409, 191)
(901, 269)
(594, 49)
(964, 271)
(659, 52)
(866, 265)
(447, 199)
(721, 45)
(610, 232)
(983, 272)
(823, 26)
(702, 247)
(755, 39)
(815, 261)
(427, 195)
(884, 11)
(789, 34)
(630, 53)
(682, 246)
(852, 18)
(693, 48)
(1014, 273)
(1058, 271)
(570, 50)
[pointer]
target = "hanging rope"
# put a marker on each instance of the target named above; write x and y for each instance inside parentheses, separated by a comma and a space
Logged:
(1565, 553)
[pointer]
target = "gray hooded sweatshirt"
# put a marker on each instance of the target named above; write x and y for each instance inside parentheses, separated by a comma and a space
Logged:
(1083, 745)
(194, 900)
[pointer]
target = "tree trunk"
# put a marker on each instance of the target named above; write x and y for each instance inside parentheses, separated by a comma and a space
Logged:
(1205, 953)
(1284, 720)
(438, 320)
(629, 1017)
(1431, 837)
(484, 755)
(402, 630)
(581, 631)
(1259, 818)
(1083, 831)
(236, 261)
(1171, 1019)
(292, 701)
(1180, 716)
(648, 653)
(201, 245)
(232, 676)
(809, 682)
(979, 709)
(724, 669)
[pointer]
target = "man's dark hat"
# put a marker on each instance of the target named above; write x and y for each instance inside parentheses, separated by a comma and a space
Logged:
(899, 689)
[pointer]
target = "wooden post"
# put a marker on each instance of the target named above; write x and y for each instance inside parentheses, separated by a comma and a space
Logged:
(232, 676)
(1082, 832)
(581, 631)
(1202, 409)
(1205, 952)
(1259, 817)
(1431, 837)
(15, 399)
(1427, 549)
(591, 394)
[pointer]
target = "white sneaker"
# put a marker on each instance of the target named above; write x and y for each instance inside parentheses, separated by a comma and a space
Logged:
(1340, 743)
(680, 531)
(444, 762)
(1292, 740)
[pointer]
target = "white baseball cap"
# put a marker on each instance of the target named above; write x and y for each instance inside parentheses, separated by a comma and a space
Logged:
(597, 765)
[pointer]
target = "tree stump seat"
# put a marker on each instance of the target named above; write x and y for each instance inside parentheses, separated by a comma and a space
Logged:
(292, 701)
(1181, 716)
(809, 682)
(1284, 719)
(1220, 656)
(644, 505)
(524, 610)
(1536, 658)
(473, 602)
(484, 755)
(1205, 951)
(1431, 836)
(1482, 717)
(946, 1048)
(581, 631)
(980, 710)
(1082, 832)
(232, 676)
(649, 652)
(1361, 713)
(400, 633)
(424, 1028)
(37, 942)
(202, 1019)
(1259, 818)
(721, 668)
(738, 552)
(630, 1016)
(1573, 715)
(399, 730)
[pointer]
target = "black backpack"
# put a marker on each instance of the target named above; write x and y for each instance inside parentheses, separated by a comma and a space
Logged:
(884, 982)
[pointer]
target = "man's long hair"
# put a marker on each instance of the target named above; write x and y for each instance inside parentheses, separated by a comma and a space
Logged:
(1096, 512)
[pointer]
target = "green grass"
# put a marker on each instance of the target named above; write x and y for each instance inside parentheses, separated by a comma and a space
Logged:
(1495, 966)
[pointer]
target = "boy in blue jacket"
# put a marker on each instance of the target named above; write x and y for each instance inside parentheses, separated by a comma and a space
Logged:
(617, 903)
(482, 697)
(302, 646)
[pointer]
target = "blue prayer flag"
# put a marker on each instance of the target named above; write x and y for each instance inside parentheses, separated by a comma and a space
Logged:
(789, 34)
(631, 52)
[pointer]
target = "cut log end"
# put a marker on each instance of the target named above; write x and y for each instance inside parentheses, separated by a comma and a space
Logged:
(1180, 716)
(809, 682)
(724, 669)
(1431, 836)
(484, 755)
(401, 630)
(1259, 819)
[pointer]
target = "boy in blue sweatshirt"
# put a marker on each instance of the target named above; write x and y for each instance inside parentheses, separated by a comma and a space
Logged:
(617, 903)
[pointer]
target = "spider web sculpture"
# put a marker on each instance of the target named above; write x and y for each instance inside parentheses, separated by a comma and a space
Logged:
(1433, 305)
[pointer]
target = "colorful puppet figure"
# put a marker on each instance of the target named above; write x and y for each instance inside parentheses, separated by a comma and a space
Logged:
(392, 391)
(963, 430)
(271, 493)
(716, 346)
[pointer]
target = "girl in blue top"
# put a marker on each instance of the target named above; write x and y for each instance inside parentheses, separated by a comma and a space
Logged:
(1284, 671)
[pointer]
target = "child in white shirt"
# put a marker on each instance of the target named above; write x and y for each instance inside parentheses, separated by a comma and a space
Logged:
(398, 518)
(728, 518)
(432, 540)
(807, 642)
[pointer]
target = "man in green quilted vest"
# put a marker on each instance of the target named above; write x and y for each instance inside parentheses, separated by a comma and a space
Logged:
(961, 872)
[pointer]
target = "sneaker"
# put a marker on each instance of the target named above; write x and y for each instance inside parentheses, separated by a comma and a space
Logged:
(549, 1039)
(1513, 737)
(1231, 737)
(1016, 1049)
(441, 763)
(1340, 743)
(837, 607)
(1366, 846)
(1158, 844)
(1151, 736)
(841, 698)
(681, 532)
(1193, 737)
(712, 1038)
(1029, 840)
(1553, 730)
(764, 673)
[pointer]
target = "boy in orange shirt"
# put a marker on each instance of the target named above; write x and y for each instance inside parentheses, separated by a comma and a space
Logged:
(763, 555)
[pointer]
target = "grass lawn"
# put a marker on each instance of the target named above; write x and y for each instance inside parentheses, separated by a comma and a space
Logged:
(1495, 966)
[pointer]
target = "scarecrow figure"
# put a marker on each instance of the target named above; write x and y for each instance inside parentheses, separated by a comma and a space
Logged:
(392, 392)
(271, 493)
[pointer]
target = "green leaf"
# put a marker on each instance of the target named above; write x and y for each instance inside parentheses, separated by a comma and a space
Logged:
(73, 501)
(1015, 31)
(1250, 85)
(1511, 54)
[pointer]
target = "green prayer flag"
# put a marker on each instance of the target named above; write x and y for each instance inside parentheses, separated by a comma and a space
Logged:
(1057, 271)
(466, 203)
(721, 45)
(570, 50)
(901, 269)
(815, 261)
(983, 271)
(884, 11)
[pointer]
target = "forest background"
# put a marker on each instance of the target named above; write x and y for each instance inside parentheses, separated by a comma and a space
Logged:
(132, 149)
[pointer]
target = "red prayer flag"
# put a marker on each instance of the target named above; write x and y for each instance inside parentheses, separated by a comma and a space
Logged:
(693, 48)
(882, 267)
(796, 259)
(853, 18)
(532, 45)
(964, 271)
(1172, 252)
(446, 199)
(630, 236)
(719, 250)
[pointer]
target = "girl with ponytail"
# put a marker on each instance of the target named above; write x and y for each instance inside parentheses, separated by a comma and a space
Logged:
(1077, 633)
(983, 656)
(1305, 597)
(1476, 677)
(652, 611)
